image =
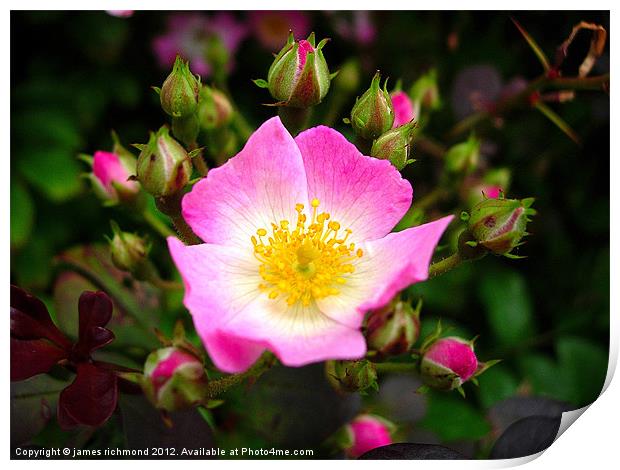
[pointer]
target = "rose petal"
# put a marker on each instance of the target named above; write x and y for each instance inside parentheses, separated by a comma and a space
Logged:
(364, 194)
(257, 187)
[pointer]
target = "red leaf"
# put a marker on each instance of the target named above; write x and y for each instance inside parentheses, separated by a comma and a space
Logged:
(90, 400)
(30, 319)
(32, 357)
(95, 312)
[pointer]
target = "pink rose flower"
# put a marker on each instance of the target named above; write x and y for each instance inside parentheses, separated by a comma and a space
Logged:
(367, 432)
(297, 248)
(403, 108)
(111, 174)
(120, 13)
(271, 28)
(491, 191)
(188, 35)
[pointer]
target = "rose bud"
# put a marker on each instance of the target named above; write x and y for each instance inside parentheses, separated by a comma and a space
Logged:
(214, 109)
(448, 363)
(110, 177)
(499, 224)
(373, 113)
(463, 158)
(351, 376)
(394, 329)
(174, 379)
(365, 433)
(164, 167)
(395, 145)
(127, 250)
(299, 76)
(403, 108)
(425, 92)
(348, 79)
(179, 93)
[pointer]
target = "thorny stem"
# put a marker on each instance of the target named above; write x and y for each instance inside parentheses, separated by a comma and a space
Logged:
(445, 265)
(599, 82)
(171, 206)
(219, 386)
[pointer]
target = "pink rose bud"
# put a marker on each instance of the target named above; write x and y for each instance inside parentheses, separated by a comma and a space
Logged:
(110, 176)
(394, 329)
(403, 108)
(299, 76)
(174, 379)
(164, 167)
(500, 224)
(448, 363)
(179, 93)
(395, 145)
(367, 432)
(373, 112)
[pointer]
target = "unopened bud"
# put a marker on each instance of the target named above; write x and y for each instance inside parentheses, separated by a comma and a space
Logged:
(425, 91)
(299, 76)
(179, 93)
(463, 158)
(164, 167)
(395, 145)
(351, 376)
(111, 177)
(127, 250)
(174, 379)
(373, 113)
(394, 329)
(448, 363)
(214, 109)
(365, 433)
(500, 224)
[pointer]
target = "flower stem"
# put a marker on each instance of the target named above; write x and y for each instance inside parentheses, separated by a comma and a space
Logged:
(445, 265)
(294, 119)
(383, 367)
(219, 386)
(171, 206)
(157, 224)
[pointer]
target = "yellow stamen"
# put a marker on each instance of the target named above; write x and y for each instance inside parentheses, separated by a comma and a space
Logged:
(307, 262)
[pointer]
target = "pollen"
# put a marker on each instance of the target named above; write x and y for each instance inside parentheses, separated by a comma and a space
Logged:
(306, 260)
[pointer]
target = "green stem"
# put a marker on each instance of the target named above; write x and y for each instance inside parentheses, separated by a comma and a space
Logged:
(294, 119)
(219, 386)
(157, 224)
(445, 265)
(396, 367)
(171, 206)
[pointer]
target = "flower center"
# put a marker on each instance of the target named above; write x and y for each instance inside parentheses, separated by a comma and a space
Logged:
(306, 262)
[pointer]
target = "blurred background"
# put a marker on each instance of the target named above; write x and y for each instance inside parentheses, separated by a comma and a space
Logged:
(75, 76)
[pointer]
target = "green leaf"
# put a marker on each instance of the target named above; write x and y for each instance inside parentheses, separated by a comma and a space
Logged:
(453, 419)
(584, 364)
(495, 385)
(508, 305)
(259, 82)
(54, 171)
(33, 404)
(22, 214)
(545, 377)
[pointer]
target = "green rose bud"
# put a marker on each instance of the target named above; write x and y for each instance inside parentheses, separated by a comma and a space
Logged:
(127, 250)
(499, 224)
(299, 76)
(394, 329)
(214, 109)
(373, 113)
(395, 145)
(179, 93)
(164, 167)
(425, 92)
(351, 376)
(463, 158)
